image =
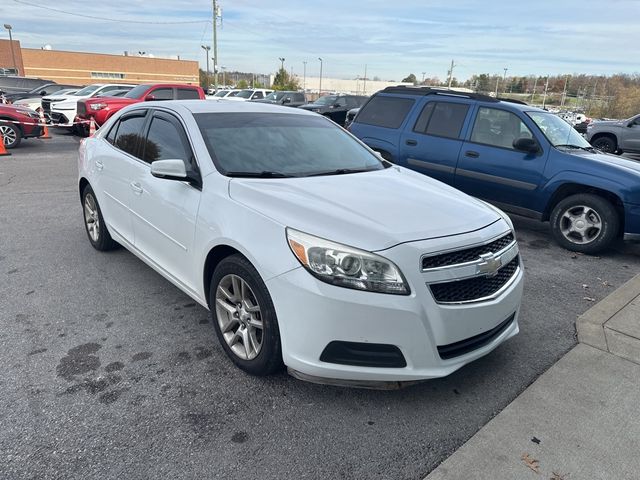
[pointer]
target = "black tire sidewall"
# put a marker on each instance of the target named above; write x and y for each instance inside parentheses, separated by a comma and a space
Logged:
(609, 141)
(269, 359)
(607, 213)
(105, 242)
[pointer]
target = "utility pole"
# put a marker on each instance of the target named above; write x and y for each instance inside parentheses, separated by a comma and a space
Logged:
(564, 92)
(364, 88)
(320, 87)
(423, 74)
(304, 77)
(497, 83)
(453, 65)
(504, 80)
(215, 44)
(535, 84)
(544, 97)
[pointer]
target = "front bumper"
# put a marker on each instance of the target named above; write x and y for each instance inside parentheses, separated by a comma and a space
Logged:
(631, 221)
(312, 314)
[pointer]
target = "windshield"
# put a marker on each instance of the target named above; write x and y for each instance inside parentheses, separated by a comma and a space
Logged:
(328, 100)
(39, 89)
(275, 96)
(221, 93)
(281, 144)
(244, 94)
(234, 93)
(87, 90)
(557, 131)
(138, 92)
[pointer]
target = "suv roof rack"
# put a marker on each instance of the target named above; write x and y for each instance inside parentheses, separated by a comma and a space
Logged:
(438, 91)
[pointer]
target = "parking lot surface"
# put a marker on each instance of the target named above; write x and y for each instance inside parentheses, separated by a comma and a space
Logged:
(112, 372)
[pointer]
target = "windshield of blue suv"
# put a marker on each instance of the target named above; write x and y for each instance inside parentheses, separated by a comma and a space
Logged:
(558, 132)
(271, 145)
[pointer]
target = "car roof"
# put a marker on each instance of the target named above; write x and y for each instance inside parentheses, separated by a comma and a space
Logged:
(225, 106)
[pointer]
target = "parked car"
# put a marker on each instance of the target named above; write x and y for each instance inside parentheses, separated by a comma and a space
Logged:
(35, 103)
(615, 136)
(351, 114)
(335, 107)
(249, 94)
(62, 109)
(226, 93)
(17, 123)
(14, 84)
(101, 109)
(280, 223)
(288, 98)
(520, 158)
(39, 91)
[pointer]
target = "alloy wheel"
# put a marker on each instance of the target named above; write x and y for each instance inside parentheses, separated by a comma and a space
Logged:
(91, 217)
(239, 317)
(8, 135)
(580, 224)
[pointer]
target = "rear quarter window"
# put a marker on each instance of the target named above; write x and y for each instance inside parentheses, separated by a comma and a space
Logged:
(188, 94)
(387, 112)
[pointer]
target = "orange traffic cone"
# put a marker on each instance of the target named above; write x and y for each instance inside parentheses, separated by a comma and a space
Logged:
(3, 150)
(92, 127)
(45, 130)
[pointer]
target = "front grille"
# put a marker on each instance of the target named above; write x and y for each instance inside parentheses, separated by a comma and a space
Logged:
(473, 343)
(466, 255)
(474, 288)
(46, 106)
(82, 108)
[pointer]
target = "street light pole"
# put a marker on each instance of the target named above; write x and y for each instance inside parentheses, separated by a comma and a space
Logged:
(304, 77)
(13, 54)
(504, 80)
(281, 63)
(206, 49)
(320, 87)
(215, 44)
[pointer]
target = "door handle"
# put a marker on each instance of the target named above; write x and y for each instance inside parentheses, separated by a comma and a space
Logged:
(471, 153)
(412, 143)
(136, 187)
(99, 165)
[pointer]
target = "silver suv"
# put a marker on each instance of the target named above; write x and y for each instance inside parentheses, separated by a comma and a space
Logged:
(616, 136)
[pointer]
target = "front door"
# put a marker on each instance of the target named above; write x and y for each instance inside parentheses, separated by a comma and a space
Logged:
(490, 167)
(164, 211)
(630, 137)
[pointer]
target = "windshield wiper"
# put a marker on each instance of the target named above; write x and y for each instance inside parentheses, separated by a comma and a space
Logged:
(341, 171)
(569, 145)
(263, 174)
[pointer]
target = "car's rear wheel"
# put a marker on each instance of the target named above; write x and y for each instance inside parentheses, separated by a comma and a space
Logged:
(11, 135)
(244, 317)
(605, 144)
(94, 222)
(584, 223)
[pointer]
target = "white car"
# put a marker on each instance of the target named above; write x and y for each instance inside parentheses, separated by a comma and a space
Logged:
(308, 248)
(35, 103)
(249, 94)
(224, 94)
(62, 109)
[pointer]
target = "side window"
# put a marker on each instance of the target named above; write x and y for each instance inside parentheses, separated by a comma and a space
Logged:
(442, 119)
(387, 112)
(498, 128)
(162, 93)
(108, 89)
(129, 134)
(257, 96)
(188, 94)
(111, 135)
(352, 102)
(341, 102)
(298, 97)
(166, 141)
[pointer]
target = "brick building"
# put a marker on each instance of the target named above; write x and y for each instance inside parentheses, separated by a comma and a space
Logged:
(82, 68)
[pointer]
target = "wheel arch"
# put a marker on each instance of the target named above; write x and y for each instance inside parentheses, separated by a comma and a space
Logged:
(598, 135)
(11, 120)
(214, 257)
(82, 184)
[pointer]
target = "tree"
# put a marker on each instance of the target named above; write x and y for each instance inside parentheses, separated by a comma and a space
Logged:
(242, 84)
(283, 81)
(376, 79)
(410, 79)
(203, 79)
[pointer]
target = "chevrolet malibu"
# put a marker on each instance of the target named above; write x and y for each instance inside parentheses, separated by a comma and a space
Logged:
(309, 250)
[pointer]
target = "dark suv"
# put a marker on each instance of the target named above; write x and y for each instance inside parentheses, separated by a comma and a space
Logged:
(288, 99)
(335, 106)
(520, 158)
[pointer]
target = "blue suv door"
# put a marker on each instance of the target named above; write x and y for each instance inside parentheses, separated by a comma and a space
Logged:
(431, 143)
(490, 167)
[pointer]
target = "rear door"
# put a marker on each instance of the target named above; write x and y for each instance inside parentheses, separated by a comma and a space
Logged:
(490, 168)
(432, 144)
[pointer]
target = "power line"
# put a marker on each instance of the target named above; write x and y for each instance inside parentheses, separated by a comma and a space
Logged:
(119, 20)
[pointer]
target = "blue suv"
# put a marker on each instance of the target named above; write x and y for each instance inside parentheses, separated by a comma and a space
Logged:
(520, 158)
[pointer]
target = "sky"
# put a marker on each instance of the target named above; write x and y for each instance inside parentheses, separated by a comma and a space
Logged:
(392, 38)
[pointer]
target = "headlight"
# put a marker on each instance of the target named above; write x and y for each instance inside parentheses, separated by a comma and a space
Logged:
(346, 266)
(98, 106)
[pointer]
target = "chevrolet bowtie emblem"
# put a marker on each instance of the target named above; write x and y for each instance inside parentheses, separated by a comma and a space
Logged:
(490, 264)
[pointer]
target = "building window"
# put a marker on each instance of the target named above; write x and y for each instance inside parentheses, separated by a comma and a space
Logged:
(8, 71)
(107, 75)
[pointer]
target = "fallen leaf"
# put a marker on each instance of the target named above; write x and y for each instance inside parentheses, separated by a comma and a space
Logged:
(589, 299)
(558, 476)
(536, 440)
(532, 463)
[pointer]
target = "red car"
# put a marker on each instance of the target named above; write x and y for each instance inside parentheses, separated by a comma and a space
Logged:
(101, 108)
(17, 123)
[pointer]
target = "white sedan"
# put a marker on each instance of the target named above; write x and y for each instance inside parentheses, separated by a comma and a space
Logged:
(310, 250)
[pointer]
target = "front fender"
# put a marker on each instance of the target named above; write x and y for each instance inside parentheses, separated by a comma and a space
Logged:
(613, 185)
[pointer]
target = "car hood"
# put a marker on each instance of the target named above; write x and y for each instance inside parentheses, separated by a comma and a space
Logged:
(12, 108)
(628, 165)
(369, 210)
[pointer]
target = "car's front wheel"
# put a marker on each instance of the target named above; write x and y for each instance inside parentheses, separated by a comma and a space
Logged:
(244, 316)
(584, 223)
(94, 222)
(11, 135)
(605, 144)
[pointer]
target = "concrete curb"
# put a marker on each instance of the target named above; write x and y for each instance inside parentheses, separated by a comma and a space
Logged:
(613, 324)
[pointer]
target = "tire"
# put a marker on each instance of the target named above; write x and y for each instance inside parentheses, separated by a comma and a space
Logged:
(11, 134)
(584, 223)
(94, 223)
(605, 144)
(262, 354)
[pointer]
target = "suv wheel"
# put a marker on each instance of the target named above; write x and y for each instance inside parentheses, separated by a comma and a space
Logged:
(10, 134)
(244, 317)
(584, 223)
(605, 144)
(94, 223)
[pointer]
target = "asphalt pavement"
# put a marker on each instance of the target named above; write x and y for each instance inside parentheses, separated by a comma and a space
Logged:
(111, 372)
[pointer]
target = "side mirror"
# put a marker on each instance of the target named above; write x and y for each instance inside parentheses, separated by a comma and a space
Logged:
(169, 170)
(286, 100)
(149, 98)
(525, 144)
(43, 93)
